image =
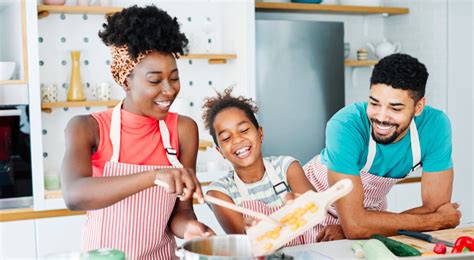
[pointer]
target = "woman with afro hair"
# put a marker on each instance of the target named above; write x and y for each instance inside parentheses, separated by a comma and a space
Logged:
(114, 157)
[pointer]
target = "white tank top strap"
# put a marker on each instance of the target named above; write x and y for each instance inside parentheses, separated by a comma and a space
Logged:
(279, 186)
(244, 193)
(170, 151)
(115, 131)
(415, 149)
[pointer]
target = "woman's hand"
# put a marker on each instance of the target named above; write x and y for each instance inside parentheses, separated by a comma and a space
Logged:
(196, 229)
(180, 181)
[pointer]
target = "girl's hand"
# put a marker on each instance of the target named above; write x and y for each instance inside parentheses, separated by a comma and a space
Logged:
(290, 196)
(196, 229)
(181, 181)
(250, 222)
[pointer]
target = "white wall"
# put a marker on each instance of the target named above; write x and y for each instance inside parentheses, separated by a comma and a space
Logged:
(460, 101)
(438, 34)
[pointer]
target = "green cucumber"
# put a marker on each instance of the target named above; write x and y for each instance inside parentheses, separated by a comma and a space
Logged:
(398, 248)
(376, 250)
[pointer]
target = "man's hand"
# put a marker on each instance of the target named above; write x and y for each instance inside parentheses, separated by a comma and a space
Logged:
(196, 229)
(449, 215)
(331, 232)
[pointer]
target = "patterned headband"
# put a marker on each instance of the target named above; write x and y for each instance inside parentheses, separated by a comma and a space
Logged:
(122, 64)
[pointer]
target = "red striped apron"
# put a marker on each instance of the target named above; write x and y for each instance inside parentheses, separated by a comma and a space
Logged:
(375, 187)
(137, 225)
(258, 206)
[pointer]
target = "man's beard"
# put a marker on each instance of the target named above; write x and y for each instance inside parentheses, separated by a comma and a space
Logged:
(389, 139)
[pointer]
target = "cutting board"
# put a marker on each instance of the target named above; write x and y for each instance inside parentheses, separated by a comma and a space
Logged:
(447, 234)
(302, 214)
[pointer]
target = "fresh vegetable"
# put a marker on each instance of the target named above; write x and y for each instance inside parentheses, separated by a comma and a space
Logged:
(428, 253)
(398, 248)
(440, 249)
(358, 250)
(376, 250)
(461, 242)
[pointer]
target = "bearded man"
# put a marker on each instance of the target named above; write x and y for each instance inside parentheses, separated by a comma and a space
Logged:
(376, 144)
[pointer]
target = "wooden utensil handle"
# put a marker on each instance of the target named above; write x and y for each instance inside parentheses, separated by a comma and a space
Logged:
(242, 210)
(227, 205)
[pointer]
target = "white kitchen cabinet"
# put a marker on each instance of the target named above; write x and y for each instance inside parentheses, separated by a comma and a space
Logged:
(17, 240)
(59, 235)
(404, 196)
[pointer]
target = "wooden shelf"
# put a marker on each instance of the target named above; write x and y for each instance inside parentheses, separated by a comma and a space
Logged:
(331, 9)
(47, 107)
(212, 58)
(13, 82)
(29, 213)
(45, 10)
(360, 63)
(53, 194)
(203, 145)
(410, 180)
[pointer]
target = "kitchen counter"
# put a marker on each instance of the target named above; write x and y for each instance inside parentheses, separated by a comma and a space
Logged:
(29, 213)
(341, 249)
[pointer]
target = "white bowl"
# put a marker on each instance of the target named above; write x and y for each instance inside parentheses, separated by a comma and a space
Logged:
(6, 69)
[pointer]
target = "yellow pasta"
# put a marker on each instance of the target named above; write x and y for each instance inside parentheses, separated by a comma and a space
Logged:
(268, 247)
(292, 220)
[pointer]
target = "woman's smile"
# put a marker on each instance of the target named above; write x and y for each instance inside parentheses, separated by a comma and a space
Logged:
(164, 104)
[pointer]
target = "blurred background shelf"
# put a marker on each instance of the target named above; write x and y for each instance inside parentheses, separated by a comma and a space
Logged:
(47, 107)
(212, 58)
(13, 82)
(360, 63)
(334, 9)
(45, 10)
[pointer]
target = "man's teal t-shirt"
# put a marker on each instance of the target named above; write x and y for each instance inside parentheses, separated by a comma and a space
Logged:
(348, 134)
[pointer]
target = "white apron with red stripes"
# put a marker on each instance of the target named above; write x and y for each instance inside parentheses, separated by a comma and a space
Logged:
(375, 187)
(137, 225)
(255, 205)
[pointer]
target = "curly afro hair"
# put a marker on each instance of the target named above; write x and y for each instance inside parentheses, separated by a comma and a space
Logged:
(214, 105)
(401, 71)
(143, 29)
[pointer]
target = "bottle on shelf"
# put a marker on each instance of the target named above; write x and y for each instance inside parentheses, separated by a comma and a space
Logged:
(75, 91)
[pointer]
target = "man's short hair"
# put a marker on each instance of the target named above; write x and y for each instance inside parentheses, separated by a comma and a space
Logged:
(401, 71)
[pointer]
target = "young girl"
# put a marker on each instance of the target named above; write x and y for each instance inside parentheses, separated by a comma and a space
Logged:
(256, 183)
(113, 157)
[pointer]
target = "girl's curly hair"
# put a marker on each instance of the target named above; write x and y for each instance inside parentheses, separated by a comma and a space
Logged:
(143, 29)
(213, 105)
